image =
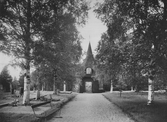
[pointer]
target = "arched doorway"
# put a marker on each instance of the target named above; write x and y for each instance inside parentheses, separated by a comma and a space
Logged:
(89, 85)
(86, 85)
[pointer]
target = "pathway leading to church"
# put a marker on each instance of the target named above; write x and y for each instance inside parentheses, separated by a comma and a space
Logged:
(91, 108)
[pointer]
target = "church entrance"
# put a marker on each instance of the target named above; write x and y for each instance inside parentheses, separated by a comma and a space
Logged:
(88, 87)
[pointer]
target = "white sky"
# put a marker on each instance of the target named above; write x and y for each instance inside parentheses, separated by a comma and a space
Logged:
(5, 60)
(93, 29)
(91, 32)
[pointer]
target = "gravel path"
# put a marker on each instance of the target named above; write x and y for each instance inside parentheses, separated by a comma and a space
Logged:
(91, 108)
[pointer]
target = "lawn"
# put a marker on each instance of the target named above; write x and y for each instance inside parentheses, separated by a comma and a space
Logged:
(22, 113)
(135, 105)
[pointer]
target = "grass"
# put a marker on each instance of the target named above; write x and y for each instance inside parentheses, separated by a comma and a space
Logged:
(135, 105)
(15, 117)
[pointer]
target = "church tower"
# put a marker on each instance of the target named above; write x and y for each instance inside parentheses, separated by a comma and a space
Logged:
(89, 60)
(89, 83)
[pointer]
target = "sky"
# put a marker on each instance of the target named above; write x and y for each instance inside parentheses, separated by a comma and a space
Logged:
(91, 32)
(93, 29)
(5, 60)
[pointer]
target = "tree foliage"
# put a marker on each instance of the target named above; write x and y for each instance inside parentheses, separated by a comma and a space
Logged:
(147, 20)
(144, 21)
(43, 32)
(29, 26)
(5, 79)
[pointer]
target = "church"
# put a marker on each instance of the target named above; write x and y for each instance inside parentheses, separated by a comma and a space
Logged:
(89, 84)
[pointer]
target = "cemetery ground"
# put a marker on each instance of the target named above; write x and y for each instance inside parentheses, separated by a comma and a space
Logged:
(21, 113)
(135, 105)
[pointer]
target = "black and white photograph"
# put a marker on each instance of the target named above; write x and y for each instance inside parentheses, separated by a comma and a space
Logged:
(83, 60)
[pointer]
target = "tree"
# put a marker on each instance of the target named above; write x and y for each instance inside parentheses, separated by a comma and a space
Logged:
(15, 83)
(39, 77)
(111, 57)
(146, 19)
(5, 79)
(21, 80)
(26, 24)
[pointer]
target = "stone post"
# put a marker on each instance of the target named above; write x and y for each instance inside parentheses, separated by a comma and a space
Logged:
(64, 86)
(111, 89)
(150, 91)
(132, 89)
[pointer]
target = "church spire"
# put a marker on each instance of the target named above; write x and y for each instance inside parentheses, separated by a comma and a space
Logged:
(89, 51)
(89, 60)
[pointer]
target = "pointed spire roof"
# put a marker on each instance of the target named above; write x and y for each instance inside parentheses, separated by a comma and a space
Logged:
(89, 60)
(89, 51)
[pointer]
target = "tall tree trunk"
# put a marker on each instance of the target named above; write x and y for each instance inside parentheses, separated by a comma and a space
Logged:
(38, 90)
(55, 86)
(111, 89)
(26, 95)
(55, 89)
(28, 41)
(150, 91)
(11, 88)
